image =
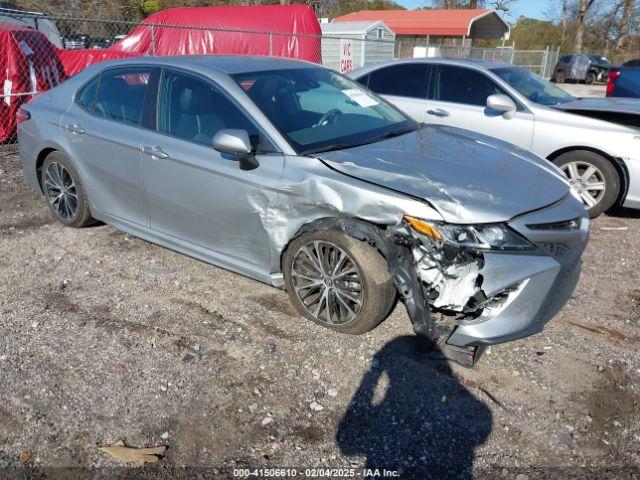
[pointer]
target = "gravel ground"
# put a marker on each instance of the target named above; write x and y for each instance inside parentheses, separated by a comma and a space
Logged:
(105, 337)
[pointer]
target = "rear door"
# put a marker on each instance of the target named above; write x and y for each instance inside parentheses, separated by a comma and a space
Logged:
(198, 195)
(103, 128)
(458, 98)
(403, 84)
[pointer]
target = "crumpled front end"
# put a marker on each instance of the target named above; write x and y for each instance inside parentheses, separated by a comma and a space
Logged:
(483, 297)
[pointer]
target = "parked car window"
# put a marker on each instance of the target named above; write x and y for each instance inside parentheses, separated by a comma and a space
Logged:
(599, 60)
(535, 88)
(364, 80)
(121, 93)
(566, 59)
(87, 95)
(463, 85)
(316, 109)
(404, 80)
(195, 110)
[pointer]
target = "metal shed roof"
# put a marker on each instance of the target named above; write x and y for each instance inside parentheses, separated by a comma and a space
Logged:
(353, 28)
(478, 23)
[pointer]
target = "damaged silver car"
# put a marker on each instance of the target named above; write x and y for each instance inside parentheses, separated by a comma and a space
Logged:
(296, 176)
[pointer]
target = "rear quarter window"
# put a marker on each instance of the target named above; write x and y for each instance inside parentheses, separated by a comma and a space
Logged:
(86, 96)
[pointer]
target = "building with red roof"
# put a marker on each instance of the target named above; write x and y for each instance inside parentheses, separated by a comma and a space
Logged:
(436, 25)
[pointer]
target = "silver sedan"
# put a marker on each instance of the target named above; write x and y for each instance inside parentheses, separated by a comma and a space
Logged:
(595, 141)
(296, 176)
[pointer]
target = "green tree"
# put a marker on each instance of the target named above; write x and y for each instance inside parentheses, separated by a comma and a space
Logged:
(534, 34)
(144, 8)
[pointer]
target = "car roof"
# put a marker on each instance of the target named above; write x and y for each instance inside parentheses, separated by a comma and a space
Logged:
(470, 62)
(229, 64)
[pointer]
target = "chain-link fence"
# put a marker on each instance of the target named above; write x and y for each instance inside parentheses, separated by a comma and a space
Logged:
(43, 51)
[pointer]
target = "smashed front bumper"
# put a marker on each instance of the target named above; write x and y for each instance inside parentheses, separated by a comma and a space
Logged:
(488, 297)
(484, 297)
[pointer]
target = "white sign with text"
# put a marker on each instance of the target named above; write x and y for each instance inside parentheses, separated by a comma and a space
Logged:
(346, 56)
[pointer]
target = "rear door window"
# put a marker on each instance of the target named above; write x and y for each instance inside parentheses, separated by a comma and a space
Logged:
(463, 85)
(121, 93)
(403, 80)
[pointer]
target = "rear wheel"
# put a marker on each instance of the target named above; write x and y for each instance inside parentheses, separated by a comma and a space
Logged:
(590, 78)
(559, 76)
(593, 178)
(338, 282)
(65, 192)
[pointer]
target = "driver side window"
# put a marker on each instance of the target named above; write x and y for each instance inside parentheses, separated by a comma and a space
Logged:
(463, 85)
(195, 110)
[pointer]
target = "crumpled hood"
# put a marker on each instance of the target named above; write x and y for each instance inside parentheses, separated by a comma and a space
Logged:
(466, 176)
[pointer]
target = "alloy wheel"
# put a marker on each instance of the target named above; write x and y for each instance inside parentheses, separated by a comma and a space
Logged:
(61, 191)
(587, 181)
(327, 282)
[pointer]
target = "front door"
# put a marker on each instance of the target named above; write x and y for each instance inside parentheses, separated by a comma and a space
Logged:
(198, 195)
(458, 98)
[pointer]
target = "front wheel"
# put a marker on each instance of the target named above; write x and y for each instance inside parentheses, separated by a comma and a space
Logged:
(338, 282)
(593, 178)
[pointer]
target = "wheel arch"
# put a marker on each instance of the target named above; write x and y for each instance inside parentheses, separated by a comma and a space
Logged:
(44, 153)
(618, 163)
(351, 226)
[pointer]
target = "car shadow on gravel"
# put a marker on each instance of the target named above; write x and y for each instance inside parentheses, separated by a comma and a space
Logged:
(621, 212)
(411, 415)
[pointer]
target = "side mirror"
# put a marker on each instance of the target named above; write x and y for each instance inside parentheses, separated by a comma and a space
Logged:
(503, 104)
(236, 142)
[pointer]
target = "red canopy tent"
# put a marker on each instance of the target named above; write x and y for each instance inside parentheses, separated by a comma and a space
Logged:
(77, 60)
(29, 64)
(228, 30)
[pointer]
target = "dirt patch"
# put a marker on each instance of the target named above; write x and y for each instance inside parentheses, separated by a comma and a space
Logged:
(612, 408)
(198, 309)
(216, 319)
(607, 333)
(29, 223)
(309, 434)
(277, 302)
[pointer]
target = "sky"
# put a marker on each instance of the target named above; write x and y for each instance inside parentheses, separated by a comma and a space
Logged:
(528, 8)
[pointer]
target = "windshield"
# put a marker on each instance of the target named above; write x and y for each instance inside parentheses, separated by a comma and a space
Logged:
(532, 86)
(599, 59)
(317, 109)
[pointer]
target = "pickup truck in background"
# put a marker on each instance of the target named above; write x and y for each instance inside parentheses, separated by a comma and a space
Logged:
(624, 81)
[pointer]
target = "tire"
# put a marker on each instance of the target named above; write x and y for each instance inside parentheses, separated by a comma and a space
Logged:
(73, 209)
(604, 173)
(590, 78)
(559, 76)
(377, 293)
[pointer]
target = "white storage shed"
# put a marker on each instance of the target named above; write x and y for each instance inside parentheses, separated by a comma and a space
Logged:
(350, 45)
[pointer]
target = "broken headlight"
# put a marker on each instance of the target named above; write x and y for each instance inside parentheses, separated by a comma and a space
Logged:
(495, 236)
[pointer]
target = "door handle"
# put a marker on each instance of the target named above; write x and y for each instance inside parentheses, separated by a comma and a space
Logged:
(438, 112)
(75, 128)
(155, 152)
